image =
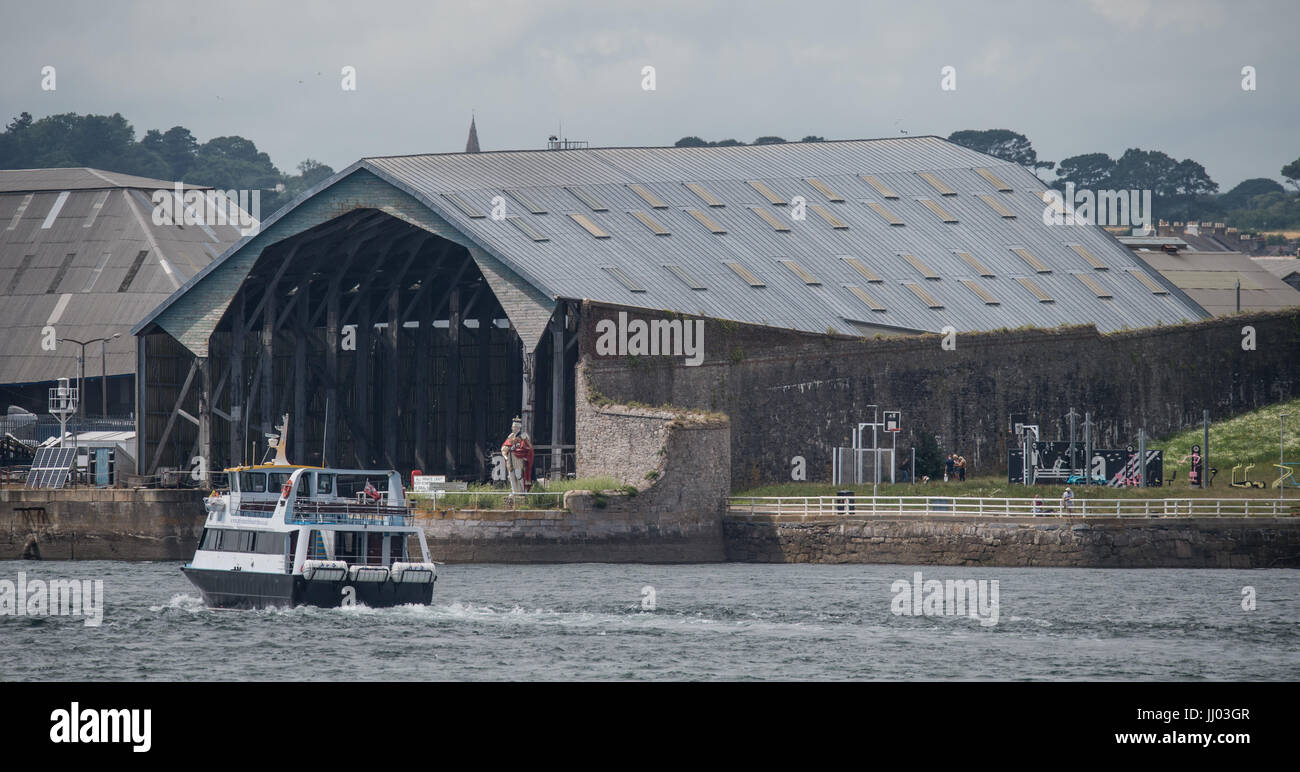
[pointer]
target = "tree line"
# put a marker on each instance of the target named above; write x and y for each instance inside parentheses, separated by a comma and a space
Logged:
(1180, 190)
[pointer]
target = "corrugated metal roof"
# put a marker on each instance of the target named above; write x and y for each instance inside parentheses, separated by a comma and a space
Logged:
(1210, 279)
(84, 274)
(1281, 267)
(572, 263)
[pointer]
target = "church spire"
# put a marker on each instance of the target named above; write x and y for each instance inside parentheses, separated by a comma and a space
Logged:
(471, 144)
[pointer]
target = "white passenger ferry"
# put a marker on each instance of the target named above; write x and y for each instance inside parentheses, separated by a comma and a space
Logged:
(283, 534)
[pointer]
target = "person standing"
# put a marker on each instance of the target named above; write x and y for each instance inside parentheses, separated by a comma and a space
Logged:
(949, 465)
(1067, 501)
(961, 468)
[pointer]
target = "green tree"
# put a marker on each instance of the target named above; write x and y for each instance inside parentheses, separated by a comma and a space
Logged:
(929, 459)
(1240, 196)
(769, 141)
(233, 163)
(1292, 173)
(690, 142)
(1001, 143)
(1090, 170)
(813, 138)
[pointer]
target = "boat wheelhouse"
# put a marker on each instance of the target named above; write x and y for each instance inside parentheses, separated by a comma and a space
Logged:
(284, 535)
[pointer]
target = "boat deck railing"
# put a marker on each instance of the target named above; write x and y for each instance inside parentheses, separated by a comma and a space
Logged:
(348, 513)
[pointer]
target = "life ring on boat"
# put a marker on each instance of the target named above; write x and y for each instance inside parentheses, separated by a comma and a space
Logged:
(284, 490)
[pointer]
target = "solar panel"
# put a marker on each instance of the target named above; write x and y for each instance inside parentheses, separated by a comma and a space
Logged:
(979, 291)
(528, 203)
(704, 194)
(938, 210)
(650, 198)
(468, 209)
(980, 268)
(1030, 285)
(706, 221)
(623, 278)
(1094, 285)
(924, 269)
(1092, 259)
(996, 205)
(590, 226)
(591, 201)
(686, 278)
(650, 223)
(937, 184)
(925, 297)
(880, 187)
(1034, 262)
(802, 273)
(862, 268)
(527, 229)
(770, 219)
(994, 180)
(51, 467)
(1150, 283)
(767, 193)
(825, 190)
(862, 295)
(830, 219)
(880, 209)
(746, 274)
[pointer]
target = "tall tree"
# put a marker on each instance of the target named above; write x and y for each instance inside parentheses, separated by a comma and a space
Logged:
(1090, 170)
(1291, 172)
(1001, 143)
(769, 141)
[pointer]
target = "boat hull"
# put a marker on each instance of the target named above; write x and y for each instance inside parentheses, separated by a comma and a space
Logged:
(247, 589)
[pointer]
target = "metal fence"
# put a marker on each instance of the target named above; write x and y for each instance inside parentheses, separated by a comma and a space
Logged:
(33, 430)
(823, 507)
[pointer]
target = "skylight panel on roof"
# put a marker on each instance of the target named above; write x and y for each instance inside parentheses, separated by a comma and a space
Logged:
(942, 213)
(979, 291)
(95, 209)
(880, 209)
(706, 221)
(925, 297)
(866, 298)
(825, 190)
(994, 180)
(466, 208)
(623, 278)
(1092, 259)
(996, 205)
(1149, 282)
(861, 267)
(650, 198)
(937, 183)
(1033, 287)
(770, 219)
(527, 229)
(704, 194)
(745, 274)
(766, 192)
(686, 278)
(1094, 285)
(921, 267)
(830, 219)
(973, 262)
(54, 210)
(527, 201)
(590, 226)
(801, 272)
(1034, 262)
(880, 187)
(22, 209)
(650, 223)
(593, 203)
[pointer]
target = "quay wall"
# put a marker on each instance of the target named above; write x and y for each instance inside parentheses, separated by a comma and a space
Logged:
(101, 523)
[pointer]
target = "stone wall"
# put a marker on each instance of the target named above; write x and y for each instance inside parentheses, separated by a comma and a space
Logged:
(797, 394)
(102, 523)
(1068, 542)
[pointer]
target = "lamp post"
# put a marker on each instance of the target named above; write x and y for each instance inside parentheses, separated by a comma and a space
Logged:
(1281, 456)
(103, 372)
(81, 369)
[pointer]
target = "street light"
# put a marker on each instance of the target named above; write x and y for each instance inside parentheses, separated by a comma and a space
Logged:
(81, 369)
(1281, 457)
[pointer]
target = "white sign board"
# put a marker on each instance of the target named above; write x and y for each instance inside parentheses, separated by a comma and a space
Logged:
(427, 483)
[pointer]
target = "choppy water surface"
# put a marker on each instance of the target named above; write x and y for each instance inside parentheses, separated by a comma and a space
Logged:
(728, 621)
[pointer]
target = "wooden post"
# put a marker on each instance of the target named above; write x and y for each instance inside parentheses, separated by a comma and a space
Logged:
(452, 386)
(392, 371)
(528, 383)
(141, 404)
(268, 355)
(332, 343)
(483, 388)
(301, 346)
(423, 344)
(557, 393)
(361, 377)
(205, 417)
(238, 331)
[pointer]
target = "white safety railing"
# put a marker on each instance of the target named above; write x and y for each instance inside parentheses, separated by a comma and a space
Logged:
(819, 507)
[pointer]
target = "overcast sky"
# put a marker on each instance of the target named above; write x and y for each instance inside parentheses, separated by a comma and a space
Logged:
(1099, 75)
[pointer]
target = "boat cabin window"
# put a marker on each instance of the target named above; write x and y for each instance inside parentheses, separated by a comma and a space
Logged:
(252, 482)
(348, 546)
(211, 539)
(266, 543)
(324, 484)
(277, 479)
(231, 540)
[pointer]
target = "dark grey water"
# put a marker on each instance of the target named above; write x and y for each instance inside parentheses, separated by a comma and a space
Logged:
(729, 621)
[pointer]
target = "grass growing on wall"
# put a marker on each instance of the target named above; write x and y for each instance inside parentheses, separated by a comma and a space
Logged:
(1250, 438)
(489, 496)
